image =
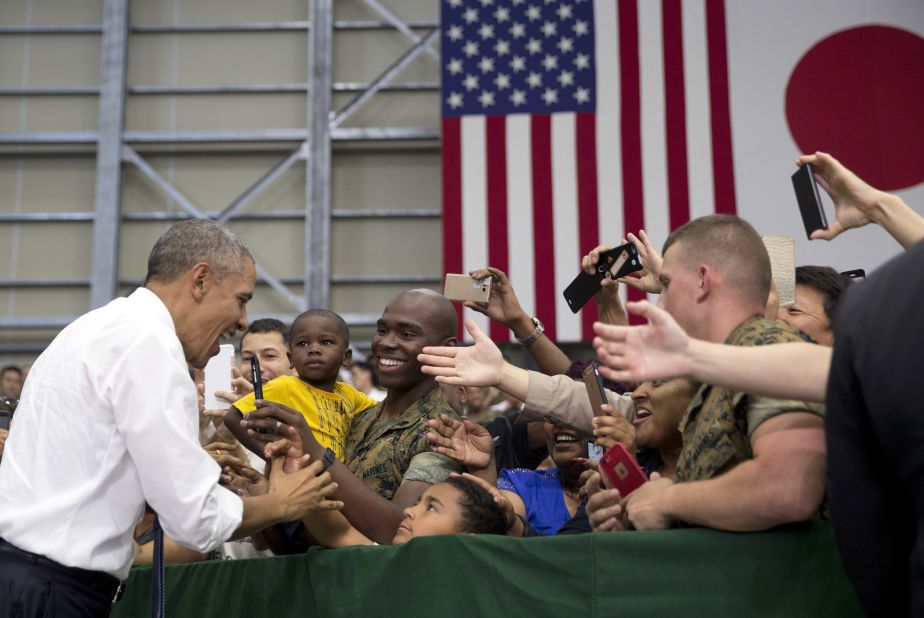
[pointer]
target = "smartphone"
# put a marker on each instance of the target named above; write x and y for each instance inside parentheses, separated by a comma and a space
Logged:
(614, 264)
(857, 273)
(256, 377)
(595, 390)
(218, 376)
(463, 287)
(813, 214)
(6, 418)
(621, 470)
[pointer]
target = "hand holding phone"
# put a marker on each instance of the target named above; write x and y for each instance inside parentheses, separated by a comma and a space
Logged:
(463, 287)
(614, 264)
(813, 213)
(256, 377)
(621, 470)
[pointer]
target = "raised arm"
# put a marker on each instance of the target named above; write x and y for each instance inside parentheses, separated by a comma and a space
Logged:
(557, 398)
(857, 204)
(504, 307)
(661, 349)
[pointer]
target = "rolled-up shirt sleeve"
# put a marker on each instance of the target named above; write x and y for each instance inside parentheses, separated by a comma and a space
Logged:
(155, 407)
(559, 399)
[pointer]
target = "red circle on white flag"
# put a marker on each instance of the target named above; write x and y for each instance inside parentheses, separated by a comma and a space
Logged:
(859, 95)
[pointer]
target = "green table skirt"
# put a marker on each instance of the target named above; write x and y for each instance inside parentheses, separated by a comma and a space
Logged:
(691, 572)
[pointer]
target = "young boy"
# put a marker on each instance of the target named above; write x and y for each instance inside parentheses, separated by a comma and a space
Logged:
(319, 345)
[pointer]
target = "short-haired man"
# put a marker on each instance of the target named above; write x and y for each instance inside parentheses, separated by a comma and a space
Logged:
(268, 340)
(747, 463)
(108, 422)
(388, 462)
(818, 291)
(11, 382)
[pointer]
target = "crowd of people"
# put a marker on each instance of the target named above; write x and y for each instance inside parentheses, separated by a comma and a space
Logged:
(721, 398)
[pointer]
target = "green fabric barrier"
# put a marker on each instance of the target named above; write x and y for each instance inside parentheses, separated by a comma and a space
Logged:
(692, 572)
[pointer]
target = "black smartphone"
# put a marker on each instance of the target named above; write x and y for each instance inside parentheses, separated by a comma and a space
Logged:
(857, 273)
(813, 214)
(614, 264)
(5, 418)
(255, 377)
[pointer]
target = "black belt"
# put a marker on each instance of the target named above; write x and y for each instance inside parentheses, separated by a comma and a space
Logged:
(103, 583)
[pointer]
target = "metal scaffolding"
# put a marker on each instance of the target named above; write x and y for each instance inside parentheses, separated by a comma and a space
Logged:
(312, 144)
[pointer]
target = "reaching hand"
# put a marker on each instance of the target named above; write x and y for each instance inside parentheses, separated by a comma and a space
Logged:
(478, 365)
(613, 428)
(513, 525)
(854, 200)
(244, 480)
(604, 509)
(303, 492)
(643, 506)
(502, 305)
(291, 450)
(468, 443)
(638, 353)
(647, 279)
(271, 421)
(224, 454)
(609, 306)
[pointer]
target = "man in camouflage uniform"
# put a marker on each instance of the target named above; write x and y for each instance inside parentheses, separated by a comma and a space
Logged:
(388, 462)
(747, 463)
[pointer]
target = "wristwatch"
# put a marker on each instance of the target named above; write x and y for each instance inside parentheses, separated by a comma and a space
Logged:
(329, 458)
(535, 334)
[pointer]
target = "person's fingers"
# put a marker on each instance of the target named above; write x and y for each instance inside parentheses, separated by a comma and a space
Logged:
(609, 525)
(833, 230)
(638, 284)
(440, 372)
(438, 352)
(609, 285)
(215, 412)
(220, 446)
(610, 332)
(617, 375)
(476, 333)
(330, 505)
(483, 484)
(479, 307)
(471, 427)
(499, 275)
(328, 490)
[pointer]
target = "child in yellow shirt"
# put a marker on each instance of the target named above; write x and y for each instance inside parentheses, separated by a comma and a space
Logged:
(319, 345)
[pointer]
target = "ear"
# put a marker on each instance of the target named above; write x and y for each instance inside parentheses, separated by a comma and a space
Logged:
(347, 358)
(463, 396)
(706, 278)
(200, 279)
(289, 356)
(451, 342)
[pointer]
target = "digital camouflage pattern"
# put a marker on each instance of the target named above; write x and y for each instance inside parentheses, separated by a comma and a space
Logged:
(384, 452)
(718, 423)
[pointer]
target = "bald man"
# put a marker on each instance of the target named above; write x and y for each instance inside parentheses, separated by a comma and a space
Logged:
(388, 462)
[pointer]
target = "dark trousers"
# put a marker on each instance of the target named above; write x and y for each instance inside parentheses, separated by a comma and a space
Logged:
(33, 586)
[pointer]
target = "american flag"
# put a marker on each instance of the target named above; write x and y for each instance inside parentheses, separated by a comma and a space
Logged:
(567, 123)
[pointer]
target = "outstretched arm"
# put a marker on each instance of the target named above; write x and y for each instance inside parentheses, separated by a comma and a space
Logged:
(661, 349)
(856, 203)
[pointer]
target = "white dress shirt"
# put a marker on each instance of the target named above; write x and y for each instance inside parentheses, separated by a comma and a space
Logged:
(107, 421)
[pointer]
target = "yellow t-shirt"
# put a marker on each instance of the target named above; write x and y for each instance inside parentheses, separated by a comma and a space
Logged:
(329, 415)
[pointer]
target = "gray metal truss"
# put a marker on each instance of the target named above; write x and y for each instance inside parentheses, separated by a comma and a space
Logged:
(313, 144)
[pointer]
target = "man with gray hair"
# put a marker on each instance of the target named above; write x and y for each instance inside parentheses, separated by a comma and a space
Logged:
(108, 422)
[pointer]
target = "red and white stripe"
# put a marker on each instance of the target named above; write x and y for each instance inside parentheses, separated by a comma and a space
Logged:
(532, 194)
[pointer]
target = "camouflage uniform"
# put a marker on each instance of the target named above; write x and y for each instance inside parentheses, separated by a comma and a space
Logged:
(718, 423)
(385, 452)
